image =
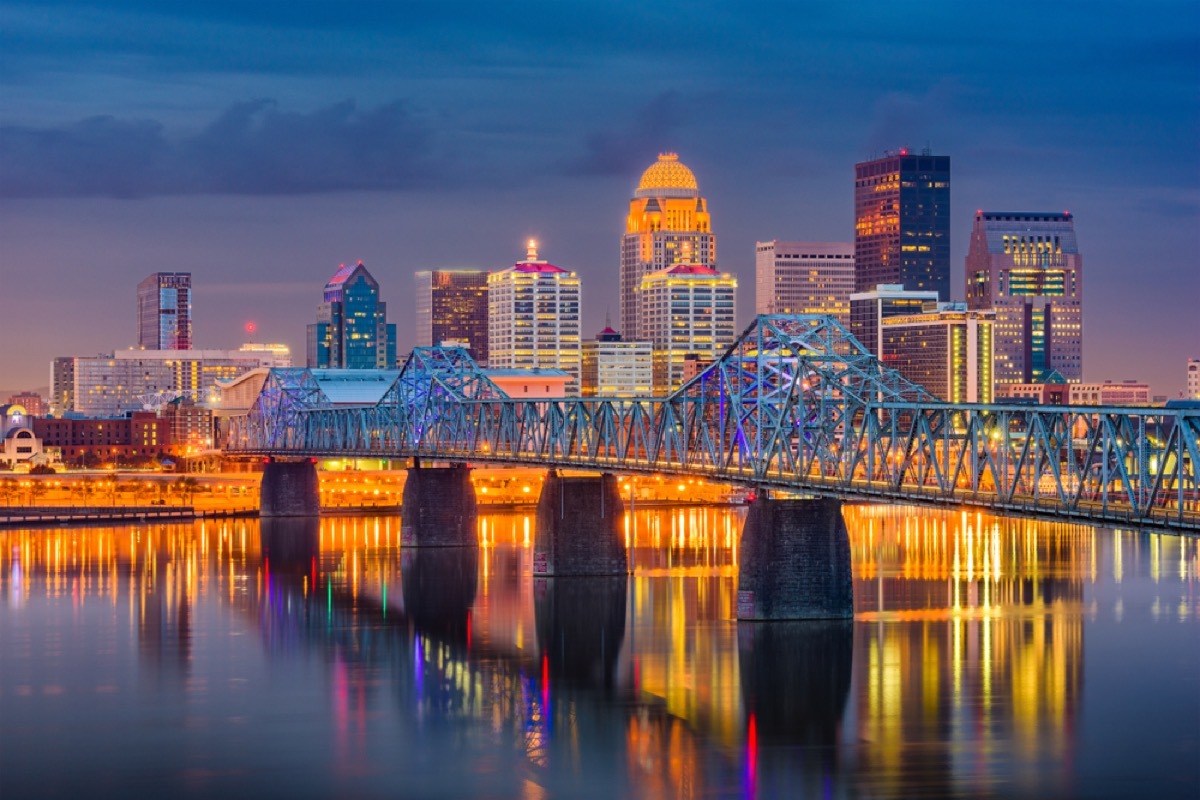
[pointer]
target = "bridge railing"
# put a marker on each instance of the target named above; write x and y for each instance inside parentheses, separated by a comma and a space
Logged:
(1118, 464)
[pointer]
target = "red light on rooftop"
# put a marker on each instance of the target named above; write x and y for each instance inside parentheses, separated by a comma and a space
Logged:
(251, 327)
(903, 151)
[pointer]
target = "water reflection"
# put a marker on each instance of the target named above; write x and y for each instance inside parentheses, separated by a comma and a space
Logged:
(458, 673)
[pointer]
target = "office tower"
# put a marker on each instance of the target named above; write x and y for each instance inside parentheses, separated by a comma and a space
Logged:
(686, 309)
(804, 278)
(352, 331)
(613, 367)
(666, 212)
(452, 306)
(1028, 268)
(948, 351)
(1193, 379)
(164, 311)
(533, 317)
(869, 309)
(902, 223)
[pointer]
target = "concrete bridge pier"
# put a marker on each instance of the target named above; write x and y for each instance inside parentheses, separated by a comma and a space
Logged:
(289, 489)
(794, 561)
(579, 527)
(438, 508)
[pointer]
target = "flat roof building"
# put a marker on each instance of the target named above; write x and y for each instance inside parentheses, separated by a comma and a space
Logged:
(902, 222)
(804, 278)
(164, 311)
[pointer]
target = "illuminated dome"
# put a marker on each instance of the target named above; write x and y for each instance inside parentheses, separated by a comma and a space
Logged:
(667, 177)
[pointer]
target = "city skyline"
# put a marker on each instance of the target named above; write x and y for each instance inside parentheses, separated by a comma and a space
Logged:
(1111, 140)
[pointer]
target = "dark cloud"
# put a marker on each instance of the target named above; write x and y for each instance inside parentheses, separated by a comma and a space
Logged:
(250, 148)
(623, 151)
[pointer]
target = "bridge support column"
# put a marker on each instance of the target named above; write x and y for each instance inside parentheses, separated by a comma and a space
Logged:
(579, 527)
(438, 508)
(289, 489)
(794, 561)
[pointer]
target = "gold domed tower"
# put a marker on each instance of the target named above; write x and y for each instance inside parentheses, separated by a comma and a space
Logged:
(666, 213)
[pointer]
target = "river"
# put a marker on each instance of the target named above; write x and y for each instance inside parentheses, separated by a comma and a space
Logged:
(988, 657)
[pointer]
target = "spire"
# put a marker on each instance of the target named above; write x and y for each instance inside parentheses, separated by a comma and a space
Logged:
(531, 250)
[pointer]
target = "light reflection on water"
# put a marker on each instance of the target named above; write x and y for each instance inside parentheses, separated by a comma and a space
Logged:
(987, 657)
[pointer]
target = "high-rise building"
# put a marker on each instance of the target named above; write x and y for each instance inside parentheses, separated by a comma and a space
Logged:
(902, 223)
(616, 368)
(452, 306)
(1193, 379)
(533, 318)
(868, 310)
(686, 309)
(666, 212)
(1028, 268)
(804, 278)
(948, 351)
(352, 331)
(164, 311)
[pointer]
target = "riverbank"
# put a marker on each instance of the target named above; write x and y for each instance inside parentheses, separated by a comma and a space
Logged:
(60, 515)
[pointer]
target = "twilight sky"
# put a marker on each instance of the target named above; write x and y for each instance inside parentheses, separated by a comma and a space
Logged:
(259, 144)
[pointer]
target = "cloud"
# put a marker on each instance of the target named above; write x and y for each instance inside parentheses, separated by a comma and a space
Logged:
(250, 148)
(624, 151)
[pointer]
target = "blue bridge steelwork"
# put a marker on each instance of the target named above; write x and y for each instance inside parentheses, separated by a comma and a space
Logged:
(796, 404)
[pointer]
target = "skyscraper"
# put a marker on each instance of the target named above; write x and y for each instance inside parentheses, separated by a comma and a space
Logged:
(902, 223)
(352, 331)
(164, 311)
(666, 211)
(452, 306)
(533, 318)
(804, 278)
(1028, 268)
(687, 310)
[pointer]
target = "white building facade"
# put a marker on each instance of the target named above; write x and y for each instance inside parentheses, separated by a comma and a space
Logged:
(686, 309)
(533, 318)
(804, 278)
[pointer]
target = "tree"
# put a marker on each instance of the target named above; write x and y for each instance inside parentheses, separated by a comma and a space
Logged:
(9, 489)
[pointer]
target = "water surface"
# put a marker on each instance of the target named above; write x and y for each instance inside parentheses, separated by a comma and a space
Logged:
(987, 657)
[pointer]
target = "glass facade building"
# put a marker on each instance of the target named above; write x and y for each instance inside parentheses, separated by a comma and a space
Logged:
(164, 311)
(902, 223)
(352, 331)
(616, 368)
(452, 305)
(1027, 267)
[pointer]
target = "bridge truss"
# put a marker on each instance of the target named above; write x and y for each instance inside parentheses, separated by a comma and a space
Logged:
(796, 404)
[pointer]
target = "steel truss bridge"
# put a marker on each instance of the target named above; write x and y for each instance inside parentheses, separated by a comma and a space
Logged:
(796, 404)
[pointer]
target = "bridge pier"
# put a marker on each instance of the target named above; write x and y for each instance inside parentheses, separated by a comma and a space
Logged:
(794, 561)
(438, 508)
(289, 489)
(579, 527)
